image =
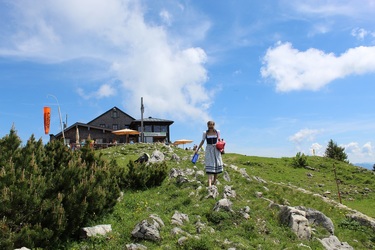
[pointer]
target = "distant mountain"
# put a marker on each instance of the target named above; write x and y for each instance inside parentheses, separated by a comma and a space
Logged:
(365, 165)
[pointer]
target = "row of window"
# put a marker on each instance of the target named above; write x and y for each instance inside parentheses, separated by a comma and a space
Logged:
(146, 128)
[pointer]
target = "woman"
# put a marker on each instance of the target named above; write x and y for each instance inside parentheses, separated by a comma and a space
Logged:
(213, 160)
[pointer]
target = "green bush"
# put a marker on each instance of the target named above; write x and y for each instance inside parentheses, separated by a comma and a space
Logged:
(300, 160)
(49, 192)
(141, 176)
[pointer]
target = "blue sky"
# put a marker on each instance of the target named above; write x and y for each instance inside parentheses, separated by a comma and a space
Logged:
(277, 76)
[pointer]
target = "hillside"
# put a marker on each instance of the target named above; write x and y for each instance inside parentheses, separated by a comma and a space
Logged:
(256, 188)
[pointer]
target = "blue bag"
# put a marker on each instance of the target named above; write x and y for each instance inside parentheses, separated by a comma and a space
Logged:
(195, 158)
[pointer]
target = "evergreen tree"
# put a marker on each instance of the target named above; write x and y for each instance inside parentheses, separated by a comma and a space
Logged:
(335, 152)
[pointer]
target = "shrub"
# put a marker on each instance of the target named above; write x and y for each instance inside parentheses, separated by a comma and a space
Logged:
(300, 160)
(141, 176)
(49, 192)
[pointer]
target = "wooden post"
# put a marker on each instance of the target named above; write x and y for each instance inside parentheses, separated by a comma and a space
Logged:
(337, 183)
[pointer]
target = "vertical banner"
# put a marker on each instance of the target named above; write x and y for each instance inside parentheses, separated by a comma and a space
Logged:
(47, 118)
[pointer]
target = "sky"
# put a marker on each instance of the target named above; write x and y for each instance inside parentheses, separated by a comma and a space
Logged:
(277, 76)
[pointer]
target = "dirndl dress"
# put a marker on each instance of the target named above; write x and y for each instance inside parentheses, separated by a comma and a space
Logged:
(213, 160)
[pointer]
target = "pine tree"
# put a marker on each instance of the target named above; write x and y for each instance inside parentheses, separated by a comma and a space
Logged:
(335, 152)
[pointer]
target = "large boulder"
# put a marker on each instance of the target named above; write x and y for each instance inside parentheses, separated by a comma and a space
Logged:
(316, 217)
(296, 220)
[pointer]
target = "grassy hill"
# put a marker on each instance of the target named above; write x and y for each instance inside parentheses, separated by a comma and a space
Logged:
(275, 178)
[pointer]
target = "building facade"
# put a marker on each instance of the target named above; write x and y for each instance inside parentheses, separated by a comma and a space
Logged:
(100, 129)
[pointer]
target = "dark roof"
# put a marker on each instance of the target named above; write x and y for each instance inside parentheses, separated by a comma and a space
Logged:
(80, 124)
(109, 111)
(151, 119)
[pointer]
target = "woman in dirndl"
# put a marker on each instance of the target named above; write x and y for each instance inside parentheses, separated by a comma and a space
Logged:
(213, 160)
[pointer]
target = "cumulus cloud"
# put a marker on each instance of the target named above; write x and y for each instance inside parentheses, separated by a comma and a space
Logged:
(105, 90)
(356, 150)
(313, 69)
(142, 57)
(303, 135)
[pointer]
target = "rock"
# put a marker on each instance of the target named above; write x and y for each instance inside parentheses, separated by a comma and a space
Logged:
(157, 220)
(182, 240)
(363, 219)
(333, 243)
(175, 157)
(318, 218)
(244, 174)
(212, 192)
(87, 232)
(224, 204)
(199, 226)
(258, 179)
(179, 218)
(176, 230)
(137, 246)
(226, 176)
(147, 231)
(156, 156)
(228, 192)
(296, 220)
(259, 194)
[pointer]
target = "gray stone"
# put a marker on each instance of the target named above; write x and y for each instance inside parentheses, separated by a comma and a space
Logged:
(228, 192)
(224, 204)
(318, 218)
(147, 231)
(296, 220)
(212, 192)
(96, 230)
(179, 218)
(226, 176)
(136, 246)
(156, 156)
(333, 243)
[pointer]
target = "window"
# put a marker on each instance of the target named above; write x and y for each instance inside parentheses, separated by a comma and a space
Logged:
(102, 125)
(148, 128)
(115, 126)
(157, 128)
(114, 114)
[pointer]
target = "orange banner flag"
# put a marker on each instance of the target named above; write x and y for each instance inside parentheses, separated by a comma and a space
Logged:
(47, 118)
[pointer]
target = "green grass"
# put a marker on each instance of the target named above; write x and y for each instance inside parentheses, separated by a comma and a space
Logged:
(262, 229)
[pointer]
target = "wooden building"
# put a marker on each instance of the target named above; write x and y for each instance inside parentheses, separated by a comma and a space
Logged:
(99, 130)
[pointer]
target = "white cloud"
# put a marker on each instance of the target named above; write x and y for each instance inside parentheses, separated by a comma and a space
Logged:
(105, 90)
(313, 69)
(324, 8)
(146, 60)
(317, 149)
(359, 33)
(304, 134)
(166, 17)
(356, 150)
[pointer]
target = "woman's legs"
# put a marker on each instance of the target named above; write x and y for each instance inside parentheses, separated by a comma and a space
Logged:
(209, 180)
(212, 179)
